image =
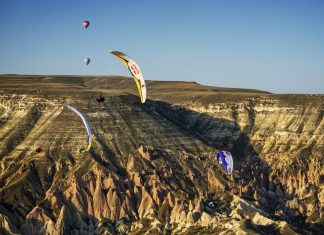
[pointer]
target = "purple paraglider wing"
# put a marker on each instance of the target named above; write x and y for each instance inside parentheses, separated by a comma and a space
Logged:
(227, 160)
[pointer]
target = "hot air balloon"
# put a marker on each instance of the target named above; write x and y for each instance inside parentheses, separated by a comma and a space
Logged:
(86, 61)
(135, 71)
(85, 23)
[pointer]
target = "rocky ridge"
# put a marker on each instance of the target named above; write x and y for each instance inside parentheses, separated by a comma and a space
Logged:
(151, 168)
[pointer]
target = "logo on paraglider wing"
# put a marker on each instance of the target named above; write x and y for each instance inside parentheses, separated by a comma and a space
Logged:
(134, 69)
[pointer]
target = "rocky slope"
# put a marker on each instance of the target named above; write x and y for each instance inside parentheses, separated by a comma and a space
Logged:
(152, 167)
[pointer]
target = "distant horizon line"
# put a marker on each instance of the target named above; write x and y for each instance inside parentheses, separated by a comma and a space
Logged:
(124, 76)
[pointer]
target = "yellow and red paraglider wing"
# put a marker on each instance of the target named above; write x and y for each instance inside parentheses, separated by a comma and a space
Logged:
(135, 71)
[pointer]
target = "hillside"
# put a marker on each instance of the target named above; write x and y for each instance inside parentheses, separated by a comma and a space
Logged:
(152, 167)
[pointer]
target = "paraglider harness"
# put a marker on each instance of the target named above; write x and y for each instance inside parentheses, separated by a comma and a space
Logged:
(39, 149)
(100, 99)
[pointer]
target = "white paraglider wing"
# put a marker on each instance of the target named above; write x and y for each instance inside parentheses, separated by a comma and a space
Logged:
(84, 122)
(229, 161)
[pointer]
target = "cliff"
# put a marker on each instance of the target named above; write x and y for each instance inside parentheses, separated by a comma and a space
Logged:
(152, 167)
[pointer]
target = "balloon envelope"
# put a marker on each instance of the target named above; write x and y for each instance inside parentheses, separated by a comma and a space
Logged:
(85, 23)
(86, 61)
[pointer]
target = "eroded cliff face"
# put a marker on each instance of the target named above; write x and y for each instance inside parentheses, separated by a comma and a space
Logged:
(285, 159)
(152, 167)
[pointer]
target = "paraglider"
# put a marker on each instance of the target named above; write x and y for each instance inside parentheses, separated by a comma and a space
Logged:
(100, 99)
(135, 71)
(39, 149)
(84, 122)
(85, 23)
(225, 158)
(86, 61)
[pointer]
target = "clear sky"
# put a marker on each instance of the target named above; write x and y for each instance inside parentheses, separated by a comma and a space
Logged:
(275, 45)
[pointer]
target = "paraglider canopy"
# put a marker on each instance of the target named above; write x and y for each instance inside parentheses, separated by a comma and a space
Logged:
(135, 71)
(225, 158)
(86, 61)
(85, 23)
(84, 122)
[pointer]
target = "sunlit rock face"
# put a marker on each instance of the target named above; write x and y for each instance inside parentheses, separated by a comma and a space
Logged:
(152, 167)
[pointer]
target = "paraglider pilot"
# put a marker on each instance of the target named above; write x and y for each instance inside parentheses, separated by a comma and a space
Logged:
(39, 149)
(100, 99)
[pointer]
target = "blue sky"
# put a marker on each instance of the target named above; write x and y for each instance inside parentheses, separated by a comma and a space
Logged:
(275, 45)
